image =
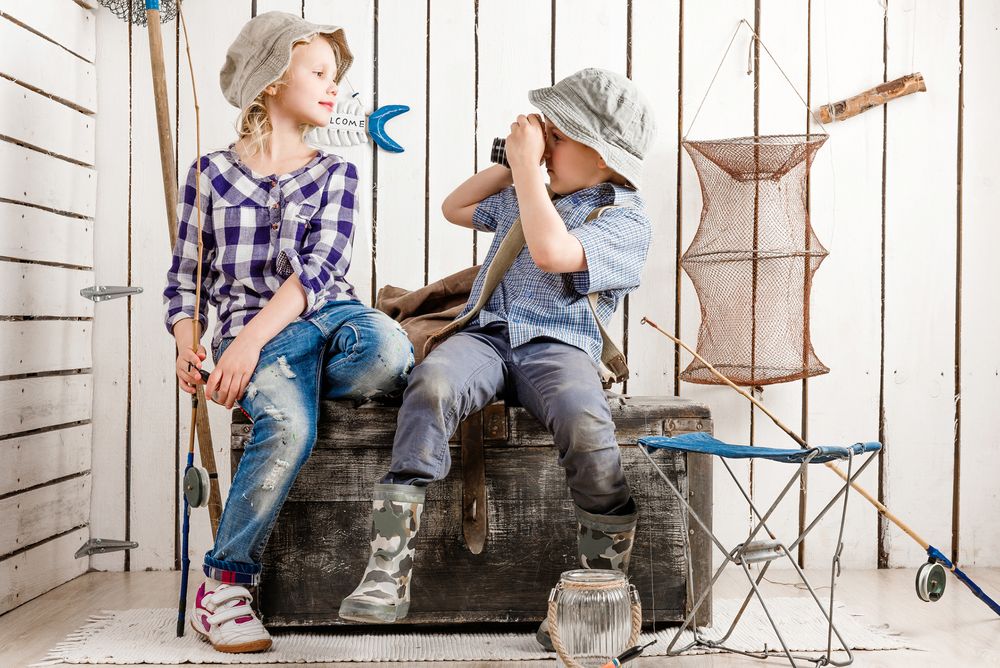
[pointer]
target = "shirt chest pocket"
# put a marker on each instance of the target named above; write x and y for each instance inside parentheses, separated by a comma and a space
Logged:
(295, 225)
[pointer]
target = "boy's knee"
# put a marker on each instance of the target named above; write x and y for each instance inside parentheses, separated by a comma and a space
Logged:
(581, 428)
(430, 384)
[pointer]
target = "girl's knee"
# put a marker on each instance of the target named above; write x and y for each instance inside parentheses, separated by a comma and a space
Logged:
(387, 349)
(287, 433)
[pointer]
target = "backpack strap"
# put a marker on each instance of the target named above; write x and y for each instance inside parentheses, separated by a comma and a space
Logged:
(611, 357)
(509, 249)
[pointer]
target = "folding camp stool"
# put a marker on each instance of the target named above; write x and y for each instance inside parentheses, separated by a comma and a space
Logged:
(762, 550)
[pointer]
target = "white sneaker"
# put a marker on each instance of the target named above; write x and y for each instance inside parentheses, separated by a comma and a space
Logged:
(223, 616)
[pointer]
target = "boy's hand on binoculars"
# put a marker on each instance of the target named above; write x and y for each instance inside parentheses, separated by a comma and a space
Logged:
(526, 142)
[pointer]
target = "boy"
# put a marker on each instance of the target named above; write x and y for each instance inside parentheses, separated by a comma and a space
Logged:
(536, 339)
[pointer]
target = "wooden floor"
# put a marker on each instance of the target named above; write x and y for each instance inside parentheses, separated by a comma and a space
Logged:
(957, 631)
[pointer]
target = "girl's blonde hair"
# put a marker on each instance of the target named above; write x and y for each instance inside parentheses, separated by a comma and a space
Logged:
(253, 126)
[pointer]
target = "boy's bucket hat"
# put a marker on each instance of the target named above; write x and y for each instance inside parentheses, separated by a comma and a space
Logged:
(263, 49)
(605, 111)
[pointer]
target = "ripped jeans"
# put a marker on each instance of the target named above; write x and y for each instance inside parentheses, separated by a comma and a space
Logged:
(344, 351)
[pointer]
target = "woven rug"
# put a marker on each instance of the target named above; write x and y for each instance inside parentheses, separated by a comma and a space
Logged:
(148, 636)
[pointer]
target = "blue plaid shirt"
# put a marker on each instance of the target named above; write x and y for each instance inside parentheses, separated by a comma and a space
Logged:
(534, 303)
(258, 231)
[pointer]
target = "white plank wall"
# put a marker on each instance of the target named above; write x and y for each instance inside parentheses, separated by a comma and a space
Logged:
(920, 276)
(846, 196)
(781, 112)
(980, 500)
(47, 207)
(451, 112)
(654, 49)
(75, 211)
(153, 415)
(111, 432)
(727, 112)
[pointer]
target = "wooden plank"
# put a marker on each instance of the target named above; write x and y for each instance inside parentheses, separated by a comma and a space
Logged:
(212, 27)
(341, 425)
(39, 290)
(36, 346)
(36, 178)
(514, 57)
(979, 502)
(843, 406)
(452, 119)
(153, 416)
(358, 21)
(576, 22)
(42, 122)
(27, 233)
(920, 233)
(33, 516)
(39, 458)
(47, 67)
(655, 36)
(399, 222)
(784, 28)
(64, 22)
(110, 326)
(44, 401)
(728, 112)
(36, 571)
(290, 6)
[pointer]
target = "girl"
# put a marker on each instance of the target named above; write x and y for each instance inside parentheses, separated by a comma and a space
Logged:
(278, 224)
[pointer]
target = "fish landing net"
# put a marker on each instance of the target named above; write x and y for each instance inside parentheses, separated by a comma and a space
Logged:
(753, 258)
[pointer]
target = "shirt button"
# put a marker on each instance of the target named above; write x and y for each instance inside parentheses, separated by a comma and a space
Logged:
(274, 226)
(273, 183)
(274, 206)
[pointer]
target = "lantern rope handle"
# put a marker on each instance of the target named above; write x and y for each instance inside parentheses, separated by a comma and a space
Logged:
(636, 617)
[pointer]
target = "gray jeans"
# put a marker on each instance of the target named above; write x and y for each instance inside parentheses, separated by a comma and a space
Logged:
(558, 383)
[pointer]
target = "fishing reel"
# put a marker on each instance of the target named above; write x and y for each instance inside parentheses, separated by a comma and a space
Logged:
(197, 482)
(931, 580)
(197, 486)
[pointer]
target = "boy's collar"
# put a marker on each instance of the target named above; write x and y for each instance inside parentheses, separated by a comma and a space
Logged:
(603, 188)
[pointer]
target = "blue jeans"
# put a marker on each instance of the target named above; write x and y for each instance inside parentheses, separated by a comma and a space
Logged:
(558, 383)
(344, 351)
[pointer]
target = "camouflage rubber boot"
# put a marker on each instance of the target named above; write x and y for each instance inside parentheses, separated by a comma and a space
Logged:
(602, 541)
(383, 597)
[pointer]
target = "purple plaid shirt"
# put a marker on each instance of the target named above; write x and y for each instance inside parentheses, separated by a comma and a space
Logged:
(258, 231)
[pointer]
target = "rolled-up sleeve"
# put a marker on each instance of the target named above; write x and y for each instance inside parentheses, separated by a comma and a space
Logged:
(615, 244)
(179, 296)
(488, 212)
(325, 254)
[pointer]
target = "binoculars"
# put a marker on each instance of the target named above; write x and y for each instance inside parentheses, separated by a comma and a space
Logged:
(498, 154)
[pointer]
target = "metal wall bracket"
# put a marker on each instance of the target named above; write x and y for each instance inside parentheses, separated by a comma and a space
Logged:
(102, 545)
(102, 293)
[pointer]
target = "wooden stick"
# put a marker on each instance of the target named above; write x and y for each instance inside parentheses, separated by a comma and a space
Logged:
(199, 406)
(798, 439)
(873, 97)
(163, 120)
(204, 431)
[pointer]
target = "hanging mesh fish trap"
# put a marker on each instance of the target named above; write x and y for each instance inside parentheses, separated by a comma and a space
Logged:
(753, 258)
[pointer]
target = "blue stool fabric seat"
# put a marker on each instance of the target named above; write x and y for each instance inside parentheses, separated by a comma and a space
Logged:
(699, 441)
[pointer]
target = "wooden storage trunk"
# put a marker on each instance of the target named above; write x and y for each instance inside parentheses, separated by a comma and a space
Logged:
(319, 547)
